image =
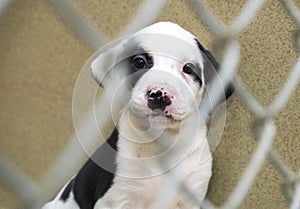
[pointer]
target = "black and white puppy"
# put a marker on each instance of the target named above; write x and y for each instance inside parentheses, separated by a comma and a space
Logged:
(168, 73)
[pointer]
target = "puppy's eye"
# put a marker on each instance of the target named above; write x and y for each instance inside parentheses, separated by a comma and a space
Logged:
(189, 68)
(139, 62)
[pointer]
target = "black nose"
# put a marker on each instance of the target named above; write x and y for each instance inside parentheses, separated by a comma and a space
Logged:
(158, 99)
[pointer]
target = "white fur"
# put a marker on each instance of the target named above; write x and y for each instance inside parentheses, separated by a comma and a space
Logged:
(139, 176)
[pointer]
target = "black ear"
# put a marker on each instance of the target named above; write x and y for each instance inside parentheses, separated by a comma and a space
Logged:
(211, 71)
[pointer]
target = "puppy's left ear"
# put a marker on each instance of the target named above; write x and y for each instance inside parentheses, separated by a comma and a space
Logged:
(211, 71)
(107, 60)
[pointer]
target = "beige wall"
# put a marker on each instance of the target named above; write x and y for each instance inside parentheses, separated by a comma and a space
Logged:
(40, 58)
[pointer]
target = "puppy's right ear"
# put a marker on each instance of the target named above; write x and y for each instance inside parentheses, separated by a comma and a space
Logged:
(108, 58)
(211, 72)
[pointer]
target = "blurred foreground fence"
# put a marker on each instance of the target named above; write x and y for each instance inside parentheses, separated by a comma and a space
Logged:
(34, 194)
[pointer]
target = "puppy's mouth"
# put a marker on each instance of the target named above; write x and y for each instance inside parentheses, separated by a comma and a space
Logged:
(160, 113)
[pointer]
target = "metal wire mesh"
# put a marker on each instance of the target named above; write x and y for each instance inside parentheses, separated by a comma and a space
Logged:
(264, 126)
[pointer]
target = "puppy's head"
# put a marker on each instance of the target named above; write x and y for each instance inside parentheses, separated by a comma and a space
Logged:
(167, 69)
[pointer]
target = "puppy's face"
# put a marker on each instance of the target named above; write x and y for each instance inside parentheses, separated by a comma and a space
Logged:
(167, 69)
(172, 82)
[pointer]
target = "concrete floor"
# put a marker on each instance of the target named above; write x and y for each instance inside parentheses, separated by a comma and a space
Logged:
(41, 57)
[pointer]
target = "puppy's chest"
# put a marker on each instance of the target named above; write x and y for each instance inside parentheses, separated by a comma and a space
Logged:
(144, 193)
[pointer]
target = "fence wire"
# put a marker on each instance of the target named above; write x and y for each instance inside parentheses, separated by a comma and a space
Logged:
(264, 128)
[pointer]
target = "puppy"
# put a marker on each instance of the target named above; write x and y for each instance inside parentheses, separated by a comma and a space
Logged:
(160, 131)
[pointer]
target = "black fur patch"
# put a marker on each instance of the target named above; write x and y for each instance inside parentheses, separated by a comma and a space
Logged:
(93, 181)
(66, 193)
(211, 68)
(136, 74)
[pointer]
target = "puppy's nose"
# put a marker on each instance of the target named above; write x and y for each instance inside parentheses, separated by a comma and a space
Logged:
(158, 99)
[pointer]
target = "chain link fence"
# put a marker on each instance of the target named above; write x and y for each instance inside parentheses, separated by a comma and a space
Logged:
(264, 128)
